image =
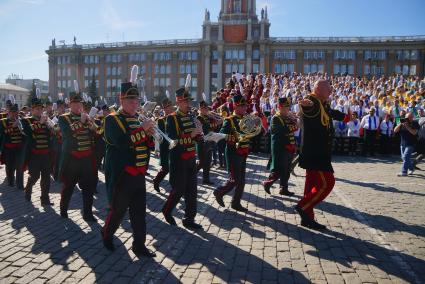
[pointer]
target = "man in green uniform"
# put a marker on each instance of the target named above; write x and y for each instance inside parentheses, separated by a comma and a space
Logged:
(36, 152)
(183, 174)
(126, 162)
(164, 152)
(205, 148)
(11, 140)
(57, 141)
(78, 163)
(236, 154)
(283, 148)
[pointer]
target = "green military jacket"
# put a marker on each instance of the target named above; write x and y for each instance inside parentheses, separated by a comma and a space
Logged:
(76, 138)
(282, 138)
(164, 152)
(126, 146)
(37, 137)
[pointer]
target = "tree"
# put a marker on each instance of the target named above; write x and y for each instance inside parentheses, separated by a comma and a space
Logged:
(92, 90)
(32, 93)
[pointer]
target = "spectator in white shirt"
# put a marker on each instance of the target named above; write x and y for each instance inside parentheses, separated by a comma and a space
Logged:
(386, 131)
(353, 134)
(370, 124)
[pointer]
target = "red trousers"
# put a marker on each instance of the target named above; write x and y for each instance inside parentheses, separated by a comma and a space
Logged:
(318, 185)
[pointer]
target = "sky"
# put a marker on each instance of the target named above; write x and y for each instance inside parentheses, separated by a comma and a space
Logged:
(27, 27)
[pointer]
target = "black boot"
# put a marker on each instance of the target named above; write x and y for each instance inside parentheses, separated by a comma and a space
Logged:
(170, 220)
(107, 243)
(238, 207)
(143, 252)
(219, 198)
(285, 191)
(190, 224)
(266, 186)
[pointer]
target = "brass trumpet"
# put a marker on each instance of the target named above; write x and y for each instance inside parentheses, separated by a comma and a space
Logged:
(158, 135)
(216, 117)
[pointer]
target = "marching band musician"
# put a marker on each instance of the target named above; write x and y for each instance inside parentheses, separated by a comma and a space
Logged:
(283, 148)
(11, 140)
(37, 148)
(99, 142)
(126, 163)
(236, 154)
(164, 152)
(183, 174)
(78, 162)
(57, 141)
(204, 148)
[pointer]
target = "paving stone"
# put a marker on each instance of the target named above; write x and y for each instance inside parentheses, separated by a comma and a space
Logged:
(375, 234)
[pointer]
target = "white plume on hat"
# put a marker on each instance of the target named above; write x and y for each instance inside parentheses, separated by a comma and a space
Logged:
(76, 87)
(204, 97)
(167, 94)
(38, 93)
(188, 81)
(12, 99)
(133, 74)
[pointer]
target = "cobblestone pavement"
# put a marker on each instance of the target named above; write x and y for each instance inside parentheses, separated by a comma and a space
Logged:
(376, 234)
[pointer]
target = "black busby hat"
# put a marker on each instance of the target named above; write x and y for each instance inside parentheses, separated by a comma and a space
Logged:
(75, 97)
(183, 94)
(166, 103)
(9, 103)
(14, 108)
(36, 102)
(105, 107)
(284, 102)
(203, 104)
(129, 89)
(239, 100)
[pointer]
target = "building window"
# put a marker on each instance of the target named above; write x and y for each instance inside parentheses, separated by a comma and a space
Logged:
(284, 54)
(237, 6)
(314, 54)
(344, 69)
(188, 55)
(236, 54)
(137, 57)
(214, 55)
(255, 68)
(214, 69)
(162, 56)
(375, 54)
(256, 54)
(113, 58)
(407, 54)
(313, 68)
(283, 68)
(344, 54)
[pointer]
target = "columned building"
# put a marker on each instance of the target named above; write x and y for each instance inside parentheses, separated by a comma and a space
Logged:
(239, 41)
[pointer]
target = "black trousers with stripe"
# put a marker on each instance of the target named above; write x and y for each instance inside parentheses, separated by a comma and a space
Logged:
(130, 194)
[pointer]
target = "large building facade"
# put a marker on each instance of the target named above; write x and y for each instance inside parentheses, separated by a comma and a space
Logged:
(238, 42)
